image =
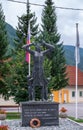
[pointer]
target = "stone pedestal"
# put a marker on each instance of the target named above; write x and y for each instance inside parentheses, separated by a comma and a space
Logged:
(46, 112)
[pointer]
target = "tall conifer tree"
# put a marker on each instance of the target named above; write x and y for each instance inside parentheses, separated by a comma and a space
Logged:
(17, 81)
(3, 35)
(50, 35)
(3, 50)
(22, 28)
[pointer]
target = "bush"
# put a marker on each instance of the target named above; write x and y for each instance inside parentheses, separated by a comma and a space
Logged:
(63, 113)
(63, 109)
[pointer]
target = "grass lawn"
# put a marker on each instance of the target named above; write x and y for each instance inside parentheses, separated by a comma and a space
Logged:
(13, 115)
(77, 120)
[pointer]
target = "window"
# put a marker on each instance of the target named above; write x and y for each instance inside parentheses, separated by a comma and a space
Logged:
(73, 93)
(81, 93)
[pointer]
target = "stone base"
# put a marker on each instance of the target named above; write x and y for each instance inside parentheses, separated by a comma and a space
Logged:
(63, 115)
(46, 112)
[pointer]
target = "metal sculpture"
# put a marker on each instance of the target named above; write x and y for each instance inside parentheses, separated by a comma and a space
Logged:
(38, 77)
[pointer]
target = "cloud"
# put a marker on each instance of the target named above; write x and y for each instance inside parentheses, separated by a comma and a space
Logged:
(12, 10)
(66, 19)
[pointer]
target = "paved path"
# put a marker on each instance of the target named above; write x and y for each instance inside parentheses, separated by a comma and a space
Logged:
(71, 109)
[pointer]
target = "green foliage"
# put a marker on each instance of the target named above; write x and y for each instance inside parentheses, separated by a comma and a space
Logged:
(58, 70)
(3, 35)
(69, 50)
(23, 28)
(3, 49)
(4, 71)
(17, 79)
(49, 34)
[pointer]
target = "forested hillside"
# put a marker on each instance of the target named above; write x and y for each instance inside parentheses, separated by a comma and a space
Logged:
(11, 36)
(70, 56)
(11, 33)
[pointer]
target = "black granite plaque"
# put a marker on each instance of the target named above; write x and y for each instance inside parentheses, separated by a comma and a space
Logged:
(46, 112)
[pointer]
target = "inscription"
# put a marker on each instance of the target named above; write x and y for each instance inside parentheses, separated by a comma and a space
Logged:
(39, 112)
(46, 113)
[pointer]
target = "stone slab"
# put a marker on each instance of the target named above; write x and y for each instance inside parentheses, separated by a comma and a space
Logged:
(46, 112)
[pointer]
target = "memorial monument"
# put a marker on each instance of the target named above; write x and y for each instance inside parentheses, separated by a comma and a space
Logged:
(39, 113)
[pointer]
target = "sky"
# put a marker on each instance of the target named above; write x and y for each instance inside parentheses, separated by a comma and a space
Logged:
(66, 19)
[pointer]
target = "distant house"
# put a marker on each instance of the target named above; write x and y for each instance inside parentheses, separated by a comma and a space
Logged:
(68, 94)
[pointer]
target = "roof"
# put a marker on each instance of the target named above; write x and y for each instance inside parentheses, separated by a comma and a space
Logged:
(71, 70)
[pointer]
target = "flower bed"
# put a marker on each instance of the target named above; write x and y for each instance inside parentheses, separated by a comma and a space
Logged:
(63, 109)
(63, 113)
(3, 127)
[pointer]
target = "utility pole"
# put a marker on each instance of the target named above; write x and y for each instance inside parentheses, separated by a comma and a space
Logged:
(27, 6)
(27, 10)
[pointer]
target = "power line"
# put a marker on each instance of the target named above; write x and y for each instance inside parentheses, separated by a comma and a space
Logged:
(17, 1)
(36, 4)
(59, 7)
(66, 8)
(70, 8)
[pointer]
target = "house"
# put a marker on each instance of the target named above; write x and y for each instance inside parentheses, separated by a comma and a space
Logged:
(68, 94)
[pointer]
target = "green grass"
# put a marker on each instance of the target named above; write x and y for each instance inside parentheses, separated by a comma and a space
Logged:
(13, 115)
(77, 120)
(17, 115)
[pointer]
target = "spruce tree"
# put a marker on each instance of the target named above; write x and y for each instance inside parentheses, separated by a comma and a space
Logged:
(50, 35)
(3, 49)
(3, 35)
(17, 81)
(22, 28)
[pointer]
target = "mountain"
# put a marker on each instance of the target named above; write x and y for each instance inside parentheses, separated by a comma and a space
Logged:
(11, 32)
(69, 50)
(70, 56)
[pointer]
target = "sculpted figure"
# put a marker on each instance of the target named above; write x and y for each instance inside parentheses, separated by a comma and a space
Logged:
(38, 78)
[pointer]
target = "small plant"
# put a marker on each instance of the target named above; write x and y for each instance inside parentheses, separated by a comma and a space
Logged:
(63, 113)
(63, 109)
(3, 127)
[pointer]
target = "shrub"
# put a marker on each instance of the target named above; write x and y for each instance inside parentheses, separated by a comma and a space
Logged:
(63, 113)
(63, 109)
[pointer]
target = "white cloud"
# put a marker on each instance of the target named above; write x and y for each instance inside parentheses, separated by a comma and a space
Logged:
(66, 19)
(12, 10)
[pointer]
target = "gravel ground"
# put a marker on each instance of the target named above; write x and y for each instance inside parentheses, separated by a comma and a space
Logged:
(64, 124)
